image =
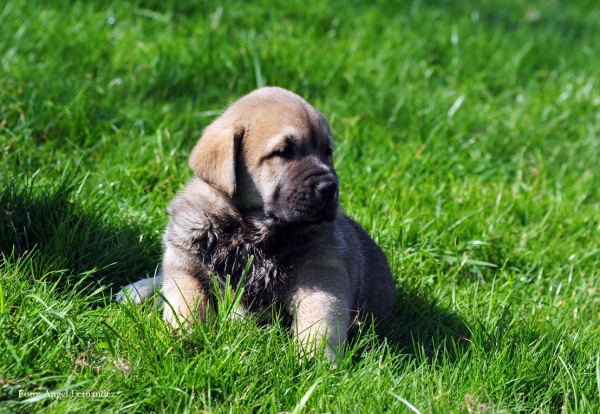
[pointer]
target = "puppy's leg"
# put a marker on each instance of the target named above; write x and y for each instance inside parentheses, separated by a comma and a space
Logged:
(183, 294)
(319, 316)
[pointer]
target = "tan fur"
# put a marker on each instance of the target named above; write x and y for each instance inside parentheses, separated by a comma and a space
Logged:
(265, 186)
(184, 292)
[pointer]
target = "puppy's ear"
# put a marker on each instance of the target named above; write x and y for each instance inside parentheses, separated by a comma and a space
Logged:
(213, 157)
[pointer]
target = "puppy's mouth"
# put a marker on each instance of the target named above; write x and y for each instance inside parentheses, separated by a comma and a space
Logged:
(319, 214)
(327, 213)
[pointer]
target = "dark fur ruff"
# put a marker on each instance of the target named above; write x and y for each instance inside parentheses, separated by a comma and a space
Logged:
(229, 244)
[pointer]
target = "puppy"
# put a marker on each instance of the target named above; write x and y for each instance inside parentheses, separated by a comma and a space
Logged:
(265, 187)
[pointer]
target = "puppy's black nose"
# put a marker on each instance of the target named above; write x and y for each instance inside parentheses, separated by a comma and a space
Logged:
(327, 189)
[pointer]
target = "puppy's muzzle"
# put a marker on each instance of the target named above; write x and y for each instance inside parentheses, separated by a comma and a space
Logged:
(327, 192)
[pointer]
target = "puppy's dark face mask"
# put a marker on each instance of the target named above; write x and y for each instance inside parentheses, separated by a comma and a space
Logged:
(292, 178)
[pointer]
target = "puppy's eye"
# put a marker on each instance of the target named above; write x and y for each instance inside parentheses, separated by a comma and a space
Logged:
(286, 153)
(328, 152)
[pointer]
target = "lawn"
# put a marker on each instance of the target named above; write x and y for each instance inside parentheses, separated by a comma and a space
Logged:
(467, 143)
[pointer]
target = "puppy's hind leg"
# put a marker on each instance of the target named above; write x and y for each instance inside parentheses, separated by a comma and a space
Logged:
(141, 290)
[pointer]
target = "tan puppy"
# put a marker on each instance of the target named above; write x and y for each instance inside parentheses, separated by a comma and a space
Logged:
(265, 187)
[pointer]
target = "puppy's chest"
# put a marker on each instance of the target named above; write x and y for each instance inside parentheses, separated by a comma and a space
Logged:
(265, 269)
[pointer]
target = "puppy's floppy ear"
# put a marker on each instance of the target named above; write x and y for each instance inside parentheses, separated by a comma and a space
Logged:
(213, 157)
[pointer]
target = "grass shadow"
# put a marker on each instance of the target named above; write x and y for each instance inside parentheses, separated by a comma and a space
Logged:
(419, 326)
(68, 239)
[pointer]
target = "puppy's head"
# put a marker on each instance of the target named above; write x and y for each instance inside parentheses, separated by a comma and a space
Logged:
(271, 152)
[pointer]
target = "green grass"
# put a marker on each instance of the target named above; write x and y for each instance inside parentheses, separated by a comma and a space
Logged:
(467, 142)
